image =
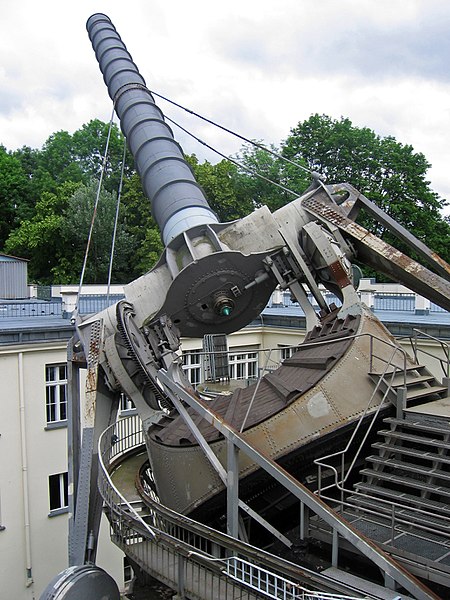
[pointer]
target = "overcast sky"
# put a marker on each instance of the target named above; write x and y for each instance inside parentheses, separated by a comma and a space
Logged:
(256, 66)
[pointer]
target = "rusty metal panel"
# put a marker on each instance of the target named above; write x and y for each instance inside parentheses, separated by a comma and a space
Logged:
(376, 253)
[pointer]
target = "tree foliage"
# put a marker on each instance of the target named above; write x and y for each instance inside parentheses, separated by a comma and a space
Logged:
(39, 238)
(389, 173)
(14, 193)
(291, 180)
(145, 237)
(47, 194)
(74, 231)
(225, 191)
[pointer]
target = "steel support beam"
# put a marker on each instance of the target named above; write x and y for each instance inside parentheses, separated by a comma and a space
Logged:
(221, 470)
(232, 489)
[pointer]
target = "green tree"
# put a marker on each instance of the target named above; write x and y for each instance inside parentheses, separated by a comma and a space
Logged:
(29, 159)
(75, 226)
(144, 235)
(389, 173)
(14, 193)
(57, 162)
(89, 145)
(55, 238)
(39, 238)
(277, 181)
(225, 191)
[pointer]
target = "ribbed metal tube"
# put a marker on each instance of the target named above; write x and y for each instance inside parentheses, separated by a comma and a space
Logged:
(178, 203)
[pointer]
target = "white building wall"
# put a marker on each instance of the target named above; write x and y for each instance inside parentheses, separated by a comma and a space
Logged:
(12, 548)
(32, 539)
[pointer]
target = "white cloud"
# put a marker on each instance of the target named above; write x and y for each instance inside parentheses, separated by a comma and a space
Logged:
(258, 67)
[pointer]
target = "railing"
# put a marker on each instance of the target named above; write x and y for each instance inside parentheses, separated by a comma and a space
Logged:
(188, 556)
(392, 510)
(445, 348)
(94, 303)
(30, 309)
(285, 299)
(114, 442)
(435, 308)
(394, 302)
(269, 584)
(385, 380)
(88, 305)
(379, 301)
(246, 365)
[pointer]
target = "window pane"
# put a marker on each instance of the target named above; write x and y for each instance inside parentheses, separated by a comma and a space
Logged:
(65, 488)
(49, 373)
(58, 491)
(62, 403)
(54, 492)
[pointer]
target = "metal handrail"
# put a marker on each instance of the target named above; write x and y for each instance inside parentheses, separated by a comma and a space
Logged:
(316, 343)
(388, 381)
(445, 363)
(108, 444)
(339, 484)
(391, 512)
(320, 462)
(271, 585)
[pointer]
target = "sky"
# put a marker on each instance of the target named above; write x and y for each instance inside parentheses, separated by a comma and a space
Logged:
(258, 67)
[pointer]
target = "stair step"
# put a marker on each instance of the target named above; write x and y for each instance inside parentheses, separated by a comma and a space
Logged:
(425, 455)
(421, 379)
(403, 512)
(406, 466)
(397, 370)
(403, 497)
(418, 425)
(416, 439)
(413, 393)
(407, 482)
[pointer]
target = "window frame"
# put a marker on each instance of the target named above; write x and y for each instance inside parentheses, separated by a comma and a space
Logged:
(244, 363)
(193, 365)
(56, 401)
(126, 406)
(62, 487)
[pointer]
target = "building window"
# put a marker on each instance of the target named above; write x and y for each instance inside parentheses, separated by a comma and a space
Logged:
(243, 365)
(127, 571)
(126, 404)
(192, 366)
(58, 493)
(287, 352)
(56, 392)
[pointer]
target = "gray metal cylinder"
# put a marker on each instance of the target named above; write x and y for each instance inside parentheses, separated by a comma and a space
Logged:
(178, 203)
(80, 583)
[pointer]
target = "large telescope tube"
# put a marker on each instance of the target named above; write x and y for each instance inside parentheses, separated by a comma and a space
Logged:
(178, 203)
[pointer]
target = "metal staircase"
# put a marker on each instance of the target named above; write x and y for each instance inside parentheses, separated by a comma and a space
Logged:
(402, 501)
(402, 498)
(414, 382)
